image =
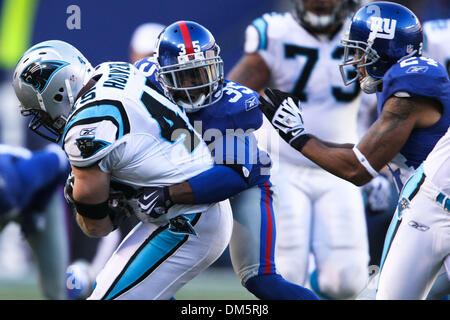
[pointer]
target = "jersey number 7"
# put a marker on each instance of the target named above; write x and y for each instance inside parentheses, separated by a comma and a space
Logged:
(312, 55)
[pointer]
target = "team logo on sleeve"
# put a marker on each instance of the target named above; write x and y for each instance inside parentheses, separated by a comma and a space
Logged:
(38, 73)
(89, 146)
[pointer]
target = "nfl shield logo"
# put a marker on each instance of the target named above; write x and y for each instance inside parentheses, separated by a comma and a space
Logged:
(409, 48)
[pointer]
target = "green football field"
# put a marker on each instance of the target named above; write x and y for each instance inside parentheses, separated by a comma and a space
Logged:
(212, 284)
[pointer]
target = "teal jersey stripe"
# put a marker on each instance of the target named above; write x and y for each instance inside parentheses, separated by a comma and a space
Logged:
(409, 188)
(261, 25)
(148, 257)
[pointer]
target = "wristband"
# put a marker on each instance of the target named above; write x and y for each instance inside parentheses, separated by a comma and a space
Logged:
(299, 143)
(363, 160)
(93, 211)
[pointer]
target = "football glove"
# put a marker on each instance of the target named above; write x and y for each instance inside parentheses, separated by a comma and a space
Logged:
(154, 201)
(284, 112)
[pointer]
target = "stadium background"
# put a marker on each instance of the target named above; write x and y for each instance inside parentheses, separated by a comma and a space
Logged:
(105, 32)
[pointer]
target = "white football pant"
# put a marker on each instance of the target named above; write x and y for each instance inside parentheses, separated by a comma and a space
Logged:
(154, 263)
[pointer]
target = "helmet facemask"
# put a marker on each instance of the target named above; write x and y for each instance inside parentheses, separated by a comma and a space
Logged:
(43, 125)
(380, 35)
(195, 82)
(357, 55)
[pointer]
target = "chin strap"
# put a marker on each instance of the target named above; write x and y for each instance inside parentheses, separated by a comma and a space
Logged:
(69, 93)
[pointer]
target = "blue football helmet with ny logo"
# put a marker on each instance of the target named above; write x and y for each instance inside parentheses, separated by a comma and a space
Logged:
(380, 35)
(189, 66)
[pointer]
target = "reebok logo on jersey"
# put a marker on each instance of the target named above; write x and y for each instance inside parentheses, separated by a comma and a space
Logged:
(418, 226)
(251, 103)
(417, 69)
(382, 28)
(87, 132)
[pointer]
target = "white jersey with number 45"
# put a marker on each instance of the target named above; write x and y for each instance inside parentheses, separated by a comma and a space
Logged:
(134, 133)
(307, 66)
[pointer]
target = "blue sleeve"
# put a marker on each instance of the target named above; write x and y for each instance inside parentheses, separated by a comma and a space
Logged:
(419, 77)
(42, 174)
(28, 183)
(250, 119)
(216, 184)
(242, 105)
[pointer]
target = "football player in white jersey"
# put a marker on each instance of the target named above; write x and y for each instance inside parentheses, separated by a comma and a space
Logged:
(422, 239)
(299, 52)
(435, 37)
(117, 131)
(436, 34)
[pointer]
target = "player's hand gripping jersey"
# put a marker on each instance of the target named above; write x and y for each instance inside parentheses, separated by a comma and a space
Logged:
(306, 66)
(417, 77)
(134, 133)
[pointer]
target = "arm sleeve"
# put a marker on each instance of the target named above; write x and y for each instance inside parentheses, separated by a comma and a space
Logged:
(217, 184)
(234, 157)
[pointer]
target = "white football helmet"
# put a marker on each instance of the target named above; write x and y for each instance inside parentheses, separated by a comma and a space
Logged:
(47, 80)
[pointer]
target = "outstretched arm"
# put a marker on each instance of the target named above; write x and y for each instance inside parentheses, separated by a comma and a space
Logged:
(381, 143)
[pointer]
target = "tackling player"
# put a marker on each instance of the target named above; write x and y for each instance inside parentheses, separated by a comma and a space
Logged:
(117, 131)
(319, 215)
(189, 70)
(384, 44)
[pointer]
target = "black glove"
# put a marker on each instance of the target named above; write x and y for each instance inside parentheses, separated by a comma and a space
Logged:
(284, 112)
(154, 201)
(120, 209)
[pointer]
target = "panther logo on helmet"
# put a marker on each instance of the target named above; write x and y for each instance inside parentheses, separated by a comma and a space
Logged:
(38, 73)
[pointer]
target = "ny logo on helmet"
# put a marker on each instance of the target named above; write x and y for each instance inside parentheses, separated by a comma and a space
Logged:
(382, 28)
(38, 73)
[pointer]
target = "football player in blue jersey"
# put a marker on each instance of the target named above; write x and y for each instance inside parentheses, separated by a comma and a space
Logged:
(29, 184)
(384, 45)
(189, 70)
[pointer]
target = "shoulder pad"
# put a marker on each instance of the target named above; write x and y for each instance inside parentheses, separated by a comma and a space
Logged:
(417, 76)
(92, 129)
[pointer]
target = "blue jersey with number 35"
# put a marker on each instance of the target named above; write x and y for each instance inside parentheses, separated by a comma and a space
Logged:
(419, 77)
(237, 111)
